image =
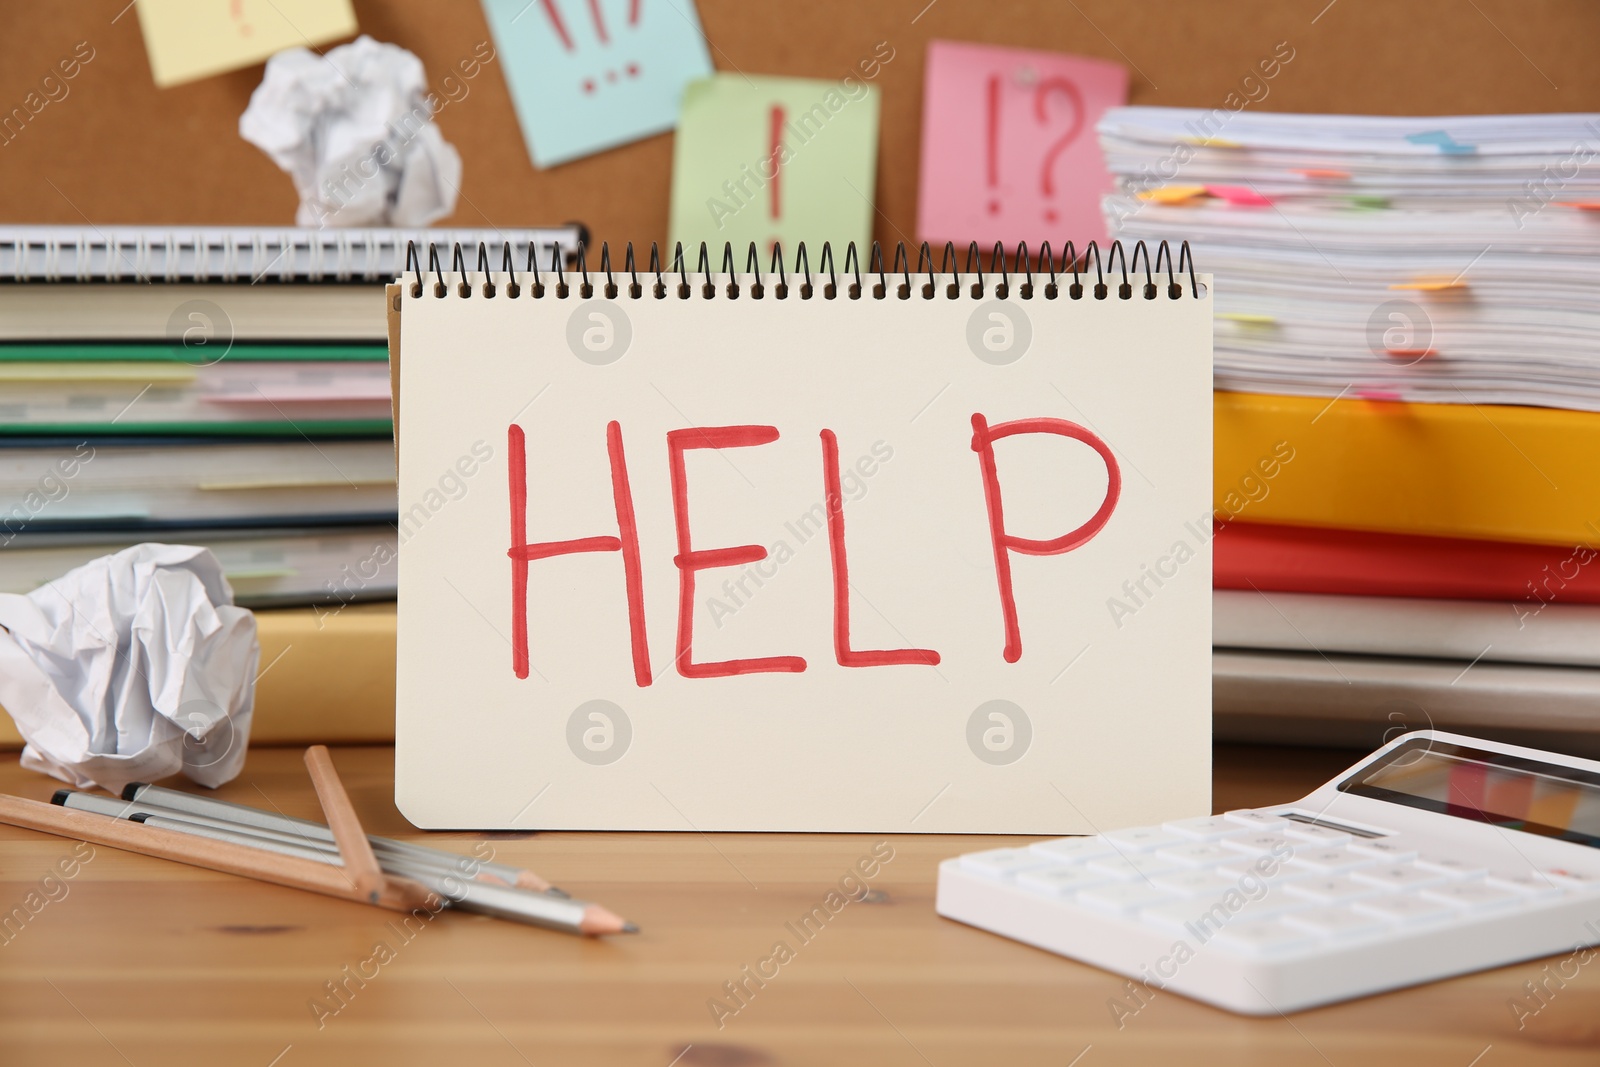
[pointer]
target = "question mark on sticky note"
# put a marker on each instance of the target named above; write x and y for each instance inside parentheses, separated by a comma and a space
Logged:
(1041, 111)
(1042, 92)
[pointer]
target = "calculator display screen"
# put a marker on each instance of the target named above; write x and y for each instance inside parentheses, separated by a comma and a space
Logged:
(1510, 791)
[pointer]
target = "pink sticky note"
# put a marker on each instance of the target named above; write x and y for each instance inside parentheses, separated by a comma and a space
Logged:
(1009, 151)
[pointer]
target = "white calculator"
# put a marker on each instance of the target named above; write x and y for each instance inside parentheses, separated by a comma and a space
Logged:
(1437, 855)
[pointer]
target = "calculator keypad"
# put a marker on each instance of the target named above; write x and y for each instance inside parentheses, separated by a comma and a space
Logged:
(1257, 884)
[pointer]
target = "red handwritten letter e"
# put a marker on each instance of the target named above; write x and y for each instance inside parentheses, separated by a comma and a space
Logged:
(983, 438)
(522, 553)
(688, 560)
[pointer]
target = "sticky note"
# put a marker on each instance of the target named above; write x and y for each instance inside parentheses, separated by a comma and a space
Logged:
(1239, 195)
(1443, 141)
(1008, 145)
(587, 75)
(1173, 194)
(768, 159)
(189, 39)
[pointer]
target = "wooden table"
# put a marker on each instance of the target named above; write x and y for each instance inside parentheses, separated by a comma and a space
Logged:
(138, 961)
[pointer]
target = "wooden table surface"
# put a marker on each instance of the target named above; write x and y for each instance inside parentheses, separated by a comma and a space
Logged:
(138, 961)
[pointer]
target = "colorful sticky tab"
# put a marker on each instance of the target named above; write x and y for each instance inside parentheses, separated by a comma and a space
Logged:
(775, 159)
(1008, 145)
(189, 39)
(1430, 285)
(590, 76)
(1248, 319)
(1580, 205)
(1443, 141)
(1239, 195)
(1323, 174)
(1173, 194)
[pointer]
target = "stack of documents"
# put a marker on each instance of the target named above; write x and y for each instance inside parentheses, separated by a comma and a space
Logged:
(1407, 360)
(1387, 258)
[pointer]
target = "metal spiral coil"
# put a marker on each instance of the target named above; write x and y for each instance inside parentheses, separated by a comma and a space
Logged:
(1028, 273)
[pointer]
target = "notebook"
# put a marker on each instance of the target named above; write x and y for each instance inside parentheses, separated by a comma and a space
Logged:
(239, 284)
(855, 541)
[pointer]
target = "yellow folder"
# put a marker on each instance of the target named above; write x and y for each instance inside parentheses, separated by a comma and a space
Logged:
(1455, 470)
(326, 676)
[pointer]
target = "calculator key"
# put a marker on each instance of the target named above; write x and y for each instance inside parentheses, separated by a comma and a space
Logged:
(1399, 876)
(1334, 922)
(1572, 879)
(1197, 854)
(1193, 883)
(1140, 865)
(1258, 820)
(1322, 835)
(1059, 881)
(1262, 938)
(1141, 839)
(1530, 885)
(1123, 898)
(1205, 828)
(1177, 915)
(1404, 908)
(1451, 866)
(1328, 860)
(1472, 896)
(1002, 862)
(1392, 849)
(1336, 890)
(1071, 848)
(1260, 844)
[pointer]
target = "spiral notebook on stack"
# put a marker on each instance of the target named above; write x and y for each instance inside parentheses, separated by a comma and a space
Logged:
(857, 541)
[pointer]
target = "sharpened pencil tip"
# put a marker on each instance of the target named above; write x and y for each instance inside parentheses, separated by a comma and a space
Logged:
(630, 928)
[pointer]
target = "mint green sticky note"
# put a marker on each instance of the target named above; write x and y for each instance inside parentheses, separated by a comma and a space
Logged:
(763, 159)
(585, 77)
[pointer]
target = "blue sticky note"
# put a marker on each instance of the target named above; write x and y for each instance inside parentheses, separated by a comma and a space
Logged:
(587, 75)
(1446, 144)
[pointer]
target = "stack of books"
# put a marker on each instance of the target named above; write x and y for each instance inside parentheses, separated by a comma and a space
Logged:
(227, 388)
(1407, 417)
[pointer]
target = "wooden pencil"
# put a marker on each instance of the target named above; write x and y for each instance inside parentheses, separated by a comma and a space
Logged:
(175, 800)
(354, 848)
(396, 893)
(502, 902)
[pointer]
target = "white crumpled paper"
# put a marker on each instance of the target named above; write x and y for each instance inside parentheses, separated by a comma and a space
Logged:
(354, 128)
(131, 668)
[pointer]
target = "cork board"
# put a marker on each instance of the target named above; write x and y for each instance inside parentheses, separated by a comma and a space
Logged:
(116, 149)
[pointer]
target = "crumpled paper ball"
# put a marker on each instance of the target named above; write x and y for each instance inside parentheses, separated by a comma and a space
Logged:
(131, 668)
(354, 128)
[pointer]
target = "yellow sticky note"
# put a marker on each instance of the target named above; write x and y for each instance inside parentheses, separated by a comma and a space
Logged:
(189, 39)
(1173, 194)
(1248, 319)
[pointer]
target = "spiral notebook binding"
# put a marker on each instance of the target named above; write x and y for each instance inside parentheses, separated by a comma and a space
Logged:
(1021, 269)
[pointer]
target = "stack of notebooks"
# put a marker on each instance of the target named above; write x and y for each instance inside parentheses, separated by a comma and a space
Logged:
(1407, 416)
(226, 388)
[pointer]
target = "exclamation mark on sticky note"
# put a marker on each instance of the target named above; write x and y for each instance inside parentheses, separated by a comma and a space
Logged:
(994, 142)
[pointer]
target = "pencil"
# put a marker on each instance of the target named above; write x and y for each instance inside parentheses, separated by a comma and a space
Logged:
(396, 894)
(389, 861)
(520, 906)
(504, 902)
(354, 848)
(227, 811)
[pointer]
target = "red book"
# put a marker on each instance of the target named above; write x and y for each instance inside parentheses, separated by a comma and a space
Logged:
(1303, 559)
